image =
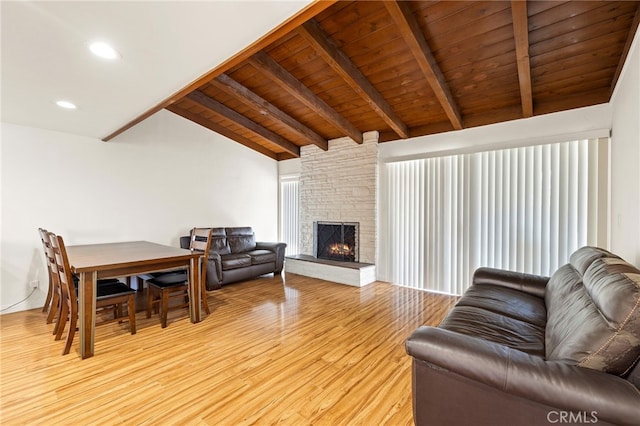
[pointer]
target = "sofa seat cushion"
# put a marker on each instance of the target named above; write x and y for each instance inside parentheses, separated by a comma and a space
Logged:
(259, 257)
(235, 261)
(507, 301)
(495, 327)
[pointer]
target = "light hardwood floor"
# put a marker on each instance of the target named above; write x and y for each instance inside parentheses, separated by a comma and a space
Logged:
(291, 351)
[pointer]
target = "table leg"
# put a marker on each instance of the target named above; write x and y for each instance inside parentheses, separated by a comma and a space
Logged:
(86, 312)
(194, 290)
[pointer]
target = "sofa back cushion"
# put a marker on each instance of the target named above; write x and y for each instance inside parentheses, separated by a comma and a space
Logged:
(593, 312)
(241, 239)
(219, 243)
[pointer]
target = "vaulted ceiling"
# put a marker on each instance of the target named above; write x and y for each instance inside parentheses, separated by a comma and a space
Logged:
(408, 69)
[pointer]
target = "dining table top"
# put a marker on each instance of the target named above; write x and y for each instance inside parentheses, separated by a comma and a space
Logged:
(95, 257)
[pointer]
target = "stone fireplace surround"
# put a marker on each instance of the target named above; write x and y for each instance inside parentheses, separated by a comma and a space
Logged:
(339, 185)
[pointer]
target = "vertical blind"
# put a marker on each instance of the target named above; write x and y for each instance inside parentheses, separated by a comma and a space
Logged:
(289, 215)
(524, 209)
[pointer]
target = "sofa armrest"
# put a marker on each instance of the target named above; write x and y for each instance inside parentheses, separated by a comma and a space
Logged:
(552, 383)
(274, 247)
(214, 271)
(278, 249)
(185, 242)
(528, 283)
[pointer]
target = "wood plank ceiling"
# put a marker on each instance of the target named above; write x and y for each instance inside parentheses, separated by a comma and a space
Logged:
(410, 68)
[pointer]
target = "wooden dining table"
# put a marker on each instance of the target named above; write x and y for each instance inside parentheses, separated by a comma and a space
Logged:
(123, 259)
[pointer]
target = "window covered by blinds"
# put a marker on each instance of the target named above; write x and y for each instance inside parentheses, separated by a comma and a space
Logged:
(289, 215)
(524, 209)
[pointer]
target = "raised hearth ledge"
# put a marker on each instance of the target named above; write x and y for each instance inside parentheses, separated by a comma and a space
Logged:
(350, 273)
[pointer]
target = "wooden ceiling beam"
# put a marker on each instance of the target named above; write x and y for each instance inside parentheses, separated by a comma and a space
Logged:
(226, 112)
(347, 70)
(213, 126)
(265, 64)
(284, 156)
(627, 47)
(230, 86)
(413, 36)
(427, 129)
(521, 36)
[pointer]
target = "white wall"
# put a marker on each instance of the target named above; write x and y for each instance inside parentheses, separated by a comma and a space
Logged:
(154, 182)
(289, 167)
(625, 160)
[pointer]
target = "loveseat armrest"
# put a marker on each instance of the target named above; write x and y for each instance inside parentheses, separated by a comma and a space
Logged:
(274, 247)
(278, 249)
(552, 383)
(185, 242)
(528, 283)
(214, 271)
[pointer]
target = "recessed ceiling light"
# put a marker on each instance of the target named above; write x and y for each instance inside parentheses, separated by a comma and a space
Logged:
(103, 50)
(66, 105)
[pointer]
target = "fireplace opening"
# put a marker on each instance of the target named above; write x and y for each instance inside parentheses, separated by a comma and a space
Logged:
(336, 241)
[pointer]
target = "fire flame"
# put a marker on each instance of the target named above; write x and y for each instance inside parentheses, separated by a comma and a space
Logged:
(339, 249)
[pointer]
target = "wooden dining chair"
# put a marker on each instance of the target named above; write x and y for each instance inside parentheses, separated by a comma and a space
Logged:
(52, 302)
(109, 297)
(175, 285)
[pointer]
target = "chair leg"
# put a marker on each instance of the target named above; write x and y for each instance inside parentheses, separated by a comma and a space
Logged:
(203, 295)
(149, 300)
(62, 320)
(72, 331)
(139, 284)
(47, 302)
(131, 307)
(54, 308)
(165, 308)
(205, 303)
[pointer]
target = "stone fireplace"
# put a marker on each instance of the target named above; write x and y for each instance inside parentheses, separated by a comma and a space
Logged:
(339, 185)
(336, 241)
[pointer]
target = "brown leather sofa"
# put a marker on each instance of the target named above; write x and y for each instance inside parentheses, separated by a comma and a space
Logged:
(520, 349)
(235, 256)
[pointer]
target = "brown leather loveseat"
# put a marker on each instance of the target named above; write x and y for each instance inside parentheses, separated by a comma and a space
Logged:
(520, 349)
(235, 256)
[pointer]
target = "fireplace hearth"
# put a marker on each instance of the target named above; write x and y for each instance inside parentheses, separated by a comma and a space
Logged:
(336, 241)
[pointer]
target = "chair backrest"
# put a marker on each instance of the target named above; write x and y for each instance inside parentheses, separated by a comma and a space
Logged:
(64, 273)
(201, 241)
(49, 256)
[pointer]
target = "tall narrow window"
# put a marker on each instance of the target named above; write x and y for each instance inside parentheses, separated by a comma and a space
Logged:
(524, 209)
(289, 214)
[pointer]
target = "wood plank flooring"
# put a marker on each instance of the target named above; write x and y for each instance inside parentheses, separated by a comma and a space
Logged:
(292, 350)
